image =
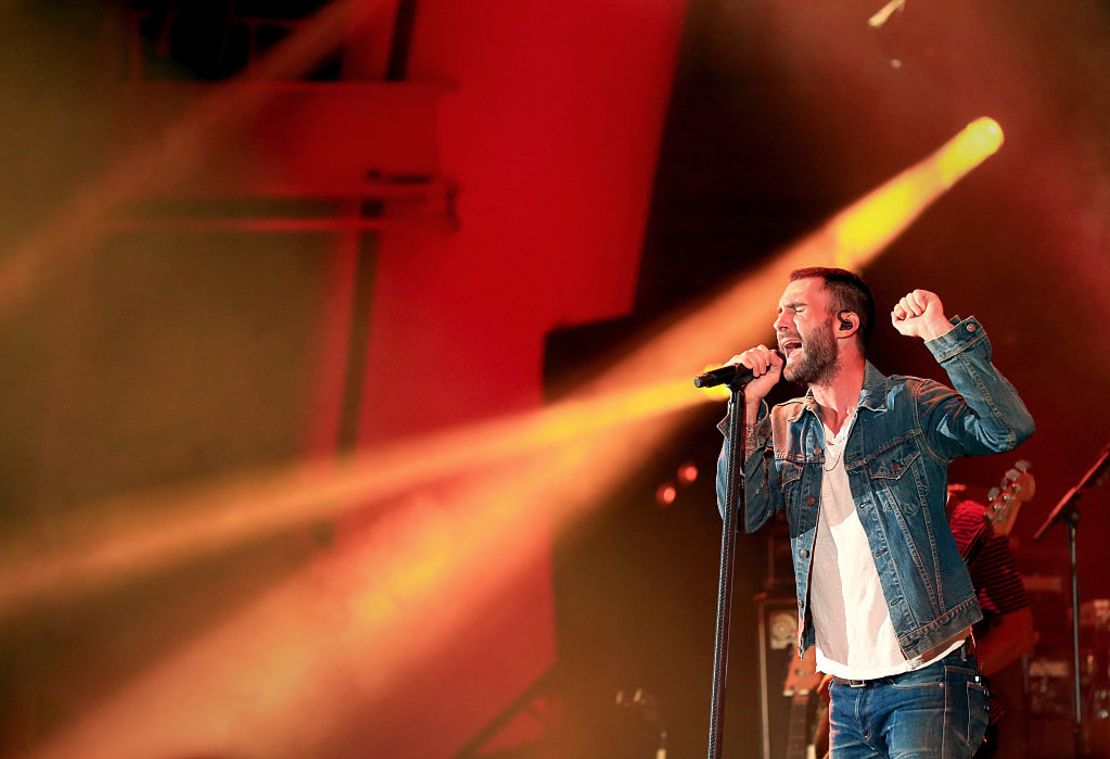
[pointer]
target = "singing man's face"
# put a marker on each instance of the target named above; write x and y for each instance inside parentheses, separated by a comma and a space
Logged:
(804, 328)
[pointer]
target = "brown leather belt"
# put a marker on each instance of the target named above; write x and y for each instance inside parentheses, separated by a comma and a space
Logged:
(965, 651)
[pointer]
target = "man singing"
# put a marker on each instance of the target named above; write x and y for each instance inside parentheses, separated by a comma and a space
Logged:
(859, 464)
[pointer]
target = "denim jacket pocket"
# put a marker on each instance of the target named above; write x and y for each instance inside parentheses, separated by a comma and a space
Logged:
(790, 480)
(893, 469)
(790, 473)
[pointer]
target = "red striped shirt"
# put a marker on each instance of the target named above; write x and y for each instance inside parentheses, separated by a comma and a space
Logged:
(993, 569)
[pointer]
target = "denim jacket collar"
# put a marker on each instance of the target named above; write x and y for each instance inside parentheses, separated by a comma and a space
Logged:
(872, 396)
(876, 389)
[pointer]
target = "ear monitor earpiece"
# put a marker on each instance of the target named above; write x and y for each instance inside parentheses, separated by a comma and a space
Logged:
(845, 323)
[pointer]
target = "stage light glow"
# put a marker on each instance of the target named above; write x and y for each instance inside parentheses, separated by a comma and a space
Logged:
(687, 473)
(872, 223)
(978, 141)
(666, 494)
(883, 14)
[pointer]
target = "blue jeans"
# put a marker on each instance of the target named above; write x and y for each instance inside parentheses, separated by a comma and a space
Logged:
(937, 712)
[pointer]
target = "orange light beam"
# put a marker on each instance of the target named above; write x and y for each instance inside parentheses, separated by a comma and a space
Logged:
(148, 531)
(316, 652)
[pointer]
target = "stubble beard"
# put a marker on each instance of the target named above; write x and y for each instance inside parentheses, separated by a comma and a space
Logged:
(819, 362)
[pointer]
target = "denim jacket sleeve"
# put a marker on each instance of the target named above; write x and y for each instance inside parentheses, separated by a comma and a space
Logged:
(985, 414)
(763, 495)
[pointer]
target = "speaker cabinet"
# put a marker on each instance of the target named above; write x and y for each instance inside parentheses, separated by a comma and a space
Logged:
(777, 618)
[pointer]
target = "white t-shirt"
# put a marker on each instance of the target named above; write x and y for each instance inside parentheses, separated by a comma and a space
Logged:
(855, 636)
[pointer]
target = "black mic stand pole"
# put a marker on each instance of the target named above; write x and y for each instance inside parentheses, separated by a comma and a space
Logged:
(1067, 510)
(734, 504)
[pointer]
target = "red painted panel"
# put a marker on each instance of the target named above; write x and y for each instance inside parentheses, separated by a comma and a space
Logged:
(552, 135)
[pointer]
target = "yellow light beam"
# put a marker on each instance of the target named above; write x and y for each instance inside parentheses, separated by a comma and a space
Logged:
(741, 315)
(873, 223)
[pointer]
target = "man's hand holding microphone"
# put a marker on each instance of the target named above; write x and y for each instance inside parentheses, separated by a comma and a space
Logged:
(766, 366)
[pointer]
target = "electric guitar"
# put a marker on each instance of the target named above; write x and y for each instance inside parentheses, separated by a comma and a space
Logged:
(1003, 504)
(1018, 486)
(802, 679)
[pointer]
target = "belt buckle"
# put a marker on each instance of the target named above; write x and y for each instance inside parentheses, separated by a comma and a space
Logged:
(856, 683)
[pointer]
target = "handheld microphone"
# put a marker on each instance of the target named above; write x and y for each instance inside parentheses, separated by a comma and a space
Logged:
(733, 374)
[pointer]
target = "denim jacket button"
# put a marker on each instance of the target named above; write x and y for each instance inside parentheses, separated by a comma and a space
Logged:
(810, 501)
(804, 553)
(971, 328)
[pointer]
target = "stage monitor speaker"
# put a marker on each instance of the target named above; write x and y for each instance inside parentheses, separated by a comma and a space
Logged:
(777, 618)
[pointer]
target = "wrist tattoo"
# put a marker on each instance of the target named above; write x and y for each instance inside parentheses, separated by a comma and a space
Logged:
(749, 439)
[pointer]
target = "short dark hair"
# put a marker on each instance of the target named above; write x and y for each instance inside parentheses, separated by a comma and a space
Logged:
(848, 292)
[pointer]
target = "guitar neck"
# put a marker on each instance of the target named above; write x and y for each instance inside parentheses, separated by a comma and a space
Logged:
(800, 727)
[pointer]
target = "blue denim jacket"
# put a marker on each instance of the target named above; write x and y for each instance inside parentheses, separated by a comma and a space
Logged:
(906, 432)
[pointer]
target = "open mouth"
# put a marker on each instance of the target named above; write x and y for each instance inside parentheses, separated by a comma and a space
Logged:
(789, 345)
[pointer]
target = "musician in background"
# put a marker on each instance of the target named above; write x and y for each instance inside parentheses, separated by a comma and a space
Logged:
(1006, 633)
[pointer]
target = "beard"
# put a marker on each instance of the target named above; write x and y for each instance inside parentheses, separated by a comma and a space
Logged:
(819, 362)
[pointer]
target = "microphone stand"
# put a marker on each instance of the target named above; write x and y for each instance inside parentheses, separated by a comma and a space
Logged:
(1067, 511)
(734, 503)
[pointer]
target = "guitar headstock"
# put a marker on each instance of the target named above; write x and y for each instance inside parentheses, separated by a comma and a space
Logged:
(1004, 501)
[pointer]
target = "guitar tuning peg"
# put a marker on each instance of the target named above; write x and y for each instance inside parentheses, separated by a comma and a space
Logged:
(993, 493)
(1022, 466)
(1012, 475)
